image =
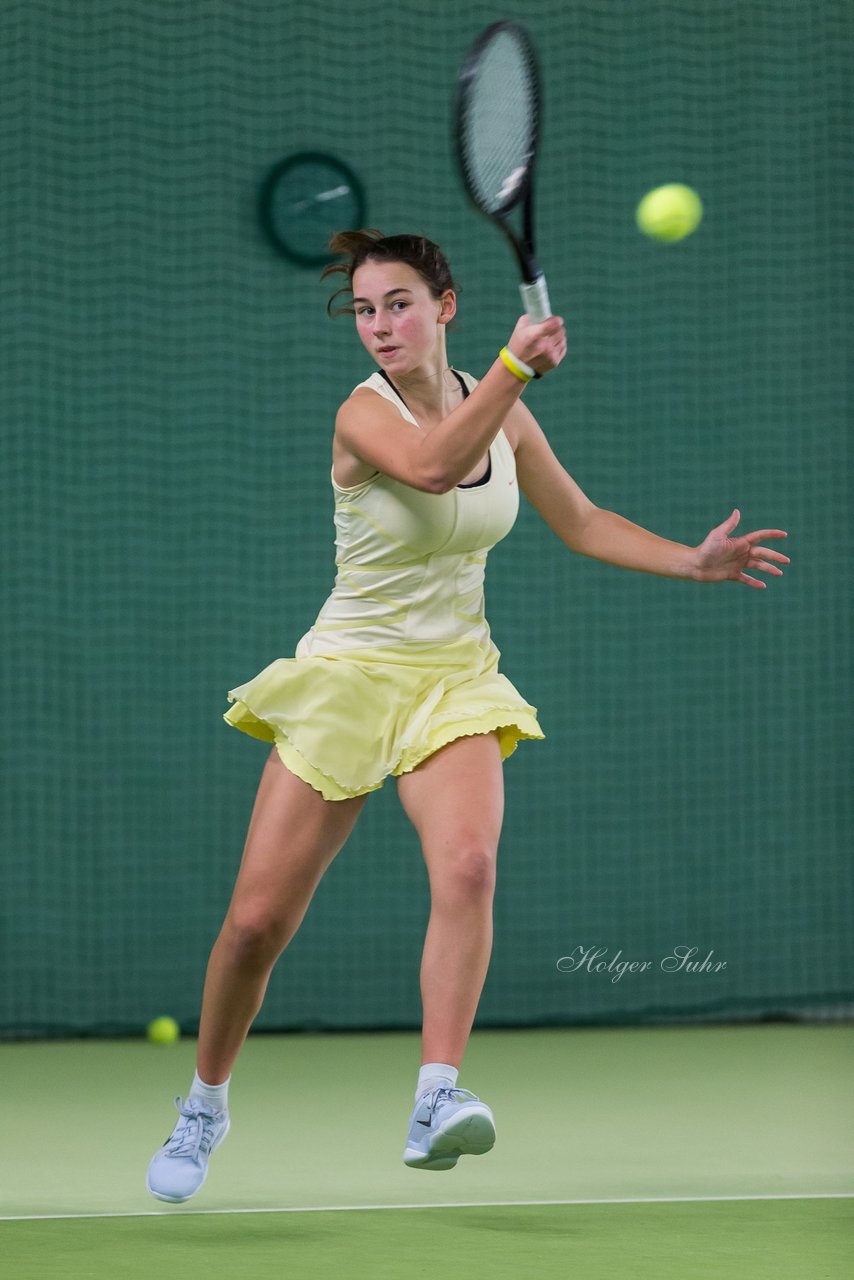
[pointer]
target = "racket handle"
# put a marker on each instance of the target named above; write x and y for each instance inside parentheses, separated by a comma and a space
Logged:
(535, 298)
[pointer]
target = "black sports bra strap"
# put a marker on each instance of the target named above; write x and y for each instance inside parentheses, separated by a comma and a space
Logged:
(461, 380)
(458, 377)
(383, 374)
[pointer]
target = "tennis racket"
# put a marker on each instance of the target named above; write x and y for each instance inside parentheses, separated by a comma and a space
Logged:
(497, 125)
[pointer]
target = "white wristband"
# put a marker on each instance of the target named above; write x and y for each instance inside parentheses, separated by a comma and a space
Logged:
(526, 368)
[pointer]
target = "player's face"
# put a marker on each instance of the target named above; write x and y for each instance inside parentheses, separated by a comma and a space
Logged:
(397, 317)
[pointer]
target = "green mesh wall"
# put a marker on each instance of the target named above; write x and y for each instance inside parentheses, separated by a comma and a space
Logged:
(170, 388)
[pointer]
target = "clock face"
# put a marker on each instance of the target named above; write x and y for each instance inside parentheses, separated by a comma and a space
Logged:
(304, 200)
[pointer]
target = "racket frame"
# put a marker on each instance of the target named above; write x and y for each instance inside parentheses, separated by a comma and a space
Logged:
(533, 288)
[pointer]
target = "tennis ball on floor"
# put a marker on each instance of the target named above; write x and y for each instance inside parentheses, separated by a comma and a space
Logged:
(669, 213)
(163, 1031)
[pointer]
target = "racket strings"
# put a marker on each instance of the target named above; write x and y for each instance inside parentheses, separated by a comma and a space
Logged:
(500, 124)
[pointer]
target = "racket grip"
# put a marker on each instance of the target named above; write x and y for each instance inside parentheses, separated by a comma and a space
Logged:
(535, 298)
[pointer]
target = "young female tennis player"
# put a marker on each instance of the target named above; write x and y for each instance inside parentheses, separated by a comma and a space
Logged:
(399, 677)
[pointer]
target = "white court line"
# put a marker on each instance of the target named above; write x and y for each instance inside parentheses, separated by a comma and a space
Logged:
(453, 1204)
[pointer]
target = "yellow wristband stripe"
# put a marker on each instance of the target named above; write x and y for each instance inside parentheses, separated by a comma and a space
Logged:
(515, 366)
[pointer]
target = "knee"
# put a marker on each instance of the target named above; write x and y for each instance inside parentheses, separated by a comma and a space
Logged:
(468, 875)
(253, 936)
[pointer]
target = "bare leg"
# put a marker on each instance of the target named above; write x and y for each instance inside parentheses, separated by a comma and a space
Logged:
(454, 963)
(455, 801)
(293, 836)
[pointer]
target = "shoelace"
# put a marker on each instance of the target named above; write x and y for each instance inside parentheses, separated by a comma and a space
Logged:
(444, 1094)
(196, 1134)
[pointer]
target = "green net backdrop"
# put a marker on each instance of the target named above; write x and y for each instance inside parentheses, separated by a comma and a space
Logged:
(170, 388)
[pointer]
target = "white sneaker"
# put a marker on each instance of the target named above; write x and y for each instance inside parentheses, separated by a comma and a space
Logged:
(447, 1124)
(181, 1165)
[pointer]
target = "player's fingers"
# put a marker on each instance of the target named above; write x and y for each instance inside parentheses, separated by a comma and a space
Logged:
(766, 533)
(772, 555)
(551, 324)
(550, 328)
(550, 348)
(555, 347)
(751, 582)
(530, 342)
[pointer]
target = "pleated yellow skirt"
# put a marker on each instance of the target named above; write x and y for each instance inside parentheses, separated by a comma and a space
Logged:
(344, 723)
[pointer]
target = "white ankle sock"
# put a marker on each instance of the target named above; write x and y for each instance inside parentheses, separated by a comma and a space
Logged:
(214, 1094)
(434, 1074)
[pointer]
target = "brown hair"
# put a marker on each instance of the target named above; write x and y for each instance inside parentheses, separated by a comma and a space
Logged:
(417, 252)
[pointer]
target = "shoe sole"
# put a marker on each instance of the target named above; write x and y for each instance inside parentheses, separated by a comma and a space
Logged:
(159, 1195)
(470, 1132)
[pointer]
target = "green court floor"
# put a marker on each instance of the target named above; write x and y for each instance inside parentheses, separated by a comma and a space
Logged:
(621, 1153)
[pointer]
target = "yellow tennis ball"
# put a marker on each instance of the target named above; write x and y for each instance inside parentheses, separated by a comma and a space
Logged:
(163, 1031)
(670, 212)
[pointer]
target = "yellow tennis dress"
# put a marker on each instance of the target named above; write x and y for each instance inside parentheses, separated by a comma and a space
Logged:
(400, 660)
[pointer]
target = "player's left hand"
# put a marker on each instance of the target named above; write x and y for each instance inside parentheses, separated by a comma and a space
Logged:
(720, 558)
